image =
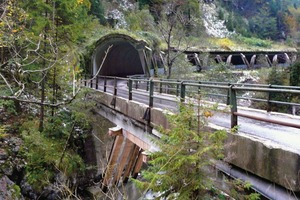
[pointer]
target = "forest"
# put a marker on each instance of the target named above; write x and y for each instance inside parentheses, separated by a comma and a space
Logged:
(44, 122)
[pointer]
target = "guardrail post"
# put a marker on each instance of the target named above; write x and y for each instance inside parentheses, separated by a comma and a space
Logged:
(177, 88)
(105, 83)
(115, 86)
(199, 88)
(97, 82)
(233, 104)
(182, 91)
(151, 92)
(147, 87)
(129, 89)
(91, 81)
(160, 86)
(228, 95)
(268, 100)
(85, 78)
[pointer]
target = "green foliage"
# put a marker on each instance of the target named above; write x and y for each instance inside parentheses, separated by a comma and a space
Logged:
(295, 74)
(295, 80)
(252, 41)
(263, 28)
(3, 132)
(97, 9)
(262, 19)
(144, 3)
(220, 72)
(182, 69)
(178, 169)
(15, 190)
(43, 154)
(141, 20)
(221, 14)
(242, 190)
(9, 106)
(275, 76)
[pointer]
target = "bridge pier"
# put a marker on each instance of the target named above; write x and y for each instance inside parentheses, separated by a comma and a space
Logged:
(126, 158)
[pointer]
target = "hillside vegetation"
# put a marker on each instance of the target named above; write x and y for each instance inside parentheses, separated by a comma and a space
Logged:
(270, 24)
(45, 120)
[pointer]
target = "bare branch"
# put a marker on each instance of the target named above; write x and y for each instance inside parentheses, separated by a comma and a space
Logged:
(15, 98)
(103, 60)
(8, 85)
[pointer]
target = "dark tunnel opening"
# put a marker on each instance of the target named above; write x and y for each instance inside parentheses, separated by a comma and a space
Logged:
(123, 58)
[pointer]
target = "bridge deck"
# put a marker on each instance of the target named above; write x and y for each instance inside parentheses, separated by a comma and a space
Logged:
(276, 135)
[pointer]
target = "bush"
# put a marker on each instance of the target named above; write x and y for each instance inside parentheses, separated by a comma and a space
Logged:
(9, 106)
(141, 21)
(46, 156)
(276, 76)
(255, 42)
(295, 74)
(225, 43)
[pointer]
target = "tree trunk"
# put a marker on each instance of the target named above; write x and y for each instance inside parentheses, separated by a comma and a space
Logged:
(42, 109)
(53, 92)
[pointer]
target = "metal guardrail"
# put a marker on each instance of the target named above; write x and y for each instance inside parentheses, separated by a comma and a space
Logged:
(187, 88)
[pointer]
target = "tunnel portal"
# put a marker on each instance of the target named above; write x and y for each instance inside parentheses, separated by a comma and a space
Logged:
(125, 56)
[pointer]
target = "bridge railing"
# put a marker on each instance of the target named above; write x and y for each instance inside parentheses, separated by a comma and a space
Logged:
(228, 93)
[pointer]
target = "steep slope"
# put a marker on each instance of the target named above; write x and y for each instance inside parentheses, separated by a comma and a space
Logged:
(214, 26)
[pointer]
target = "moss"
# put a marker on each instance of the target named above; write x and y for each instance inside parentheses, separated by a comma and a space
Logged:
(16, 191)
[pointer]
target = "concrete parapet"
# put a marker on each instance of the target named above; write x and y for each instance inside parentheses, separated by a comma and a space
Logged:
(136, 110)
(122, 105)
(265, 159)
(159, 118)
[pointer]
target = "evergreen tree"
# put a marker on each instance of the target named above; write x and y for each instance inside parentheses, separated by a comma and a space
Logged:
(178, 170)
(98, 10)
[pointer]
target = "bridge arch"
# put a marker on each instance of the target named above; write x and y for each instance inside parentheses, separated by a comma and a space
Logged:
(126, 56)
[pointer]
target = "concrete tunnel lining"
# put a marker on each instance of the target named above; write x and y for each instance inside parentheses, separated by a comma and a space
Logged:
(124, 58)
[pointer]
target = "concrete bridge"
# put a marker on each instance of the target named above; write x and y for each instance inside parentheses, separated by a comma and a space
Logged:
(267, 144)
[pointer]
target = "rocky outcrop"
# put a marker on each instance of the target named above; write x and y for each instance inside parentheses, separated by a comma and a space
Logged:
(11, 167)
(9, 190)
(214, 26)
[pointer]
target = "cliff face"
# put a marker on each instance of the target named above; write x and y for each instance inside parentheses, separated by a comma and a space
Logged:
(214, 26)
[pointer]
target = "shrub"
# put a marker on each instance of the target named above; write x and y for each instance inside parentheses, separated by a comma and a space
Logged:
(225, 43)
(295, 74)
(255, 41)
(46, 155)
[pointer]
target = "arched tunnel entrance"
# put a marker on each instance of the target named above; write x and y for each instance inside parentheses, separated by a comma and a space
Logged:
(125, 56)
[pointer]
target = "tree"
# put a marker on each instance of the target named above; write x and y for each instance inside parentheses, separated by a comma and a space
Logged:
(292, 21)
(295, 74)
(98, 10)
(39, 37)
(277, 77)
(180, 167)
(264, 28)
(174, 23)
